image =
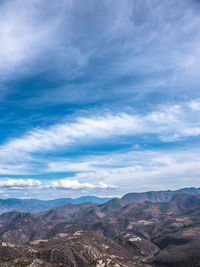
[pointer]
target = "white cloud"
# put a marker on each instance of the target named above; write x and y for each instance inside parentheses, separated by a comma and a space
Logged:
(13, 168)
(75, 184)
(19, 183)
(194, 104)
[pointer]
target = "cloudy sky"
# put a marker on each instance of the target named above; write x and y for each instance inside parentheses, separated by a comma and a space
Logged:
(98, 97)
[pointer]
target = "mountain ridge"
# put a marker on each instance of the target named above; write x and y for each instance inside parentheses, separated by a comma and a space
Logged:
(157, 196)
(37, 206)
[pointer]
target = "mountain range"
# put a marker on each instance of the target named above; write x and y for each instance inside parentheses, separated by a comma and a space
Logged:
(158, 196)
(113, 233)
(36, 206)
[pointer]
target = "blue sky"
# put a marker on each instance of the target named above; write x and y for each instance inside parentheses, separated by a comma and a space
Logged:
(98, 98)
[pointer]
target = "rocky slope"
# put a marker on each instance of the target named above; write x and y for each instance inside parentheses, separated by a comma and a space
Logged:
(82, 248)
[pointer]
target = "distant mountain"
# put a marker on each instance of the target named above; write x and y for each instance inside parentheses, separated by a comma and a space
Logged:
(157, 196)
(36, 205)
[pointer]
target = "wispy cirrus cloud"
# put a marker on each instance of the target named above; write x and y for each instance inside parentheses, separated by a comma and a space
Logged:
(169, 123)
(13, 165)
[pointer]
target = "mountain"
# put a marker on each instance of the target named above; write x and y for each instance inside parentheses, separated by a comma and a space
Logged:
(157, 196)
(36, 205)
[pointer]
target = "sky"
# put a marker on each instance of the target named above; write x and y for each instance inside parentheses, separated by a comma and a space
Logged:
(98, 97)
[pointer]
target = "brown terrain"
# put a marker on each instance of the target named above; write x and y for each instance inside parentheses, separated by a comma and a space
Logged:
(115, 233)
